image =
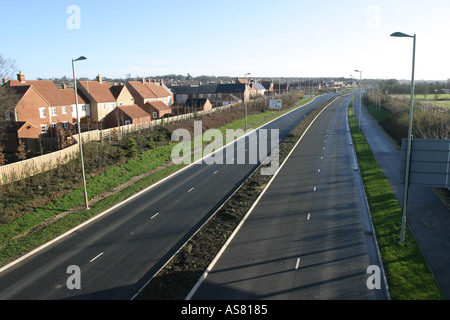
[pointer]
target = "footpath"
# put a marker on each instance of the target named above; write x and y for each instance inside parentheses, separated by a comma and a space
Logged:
(427, 217)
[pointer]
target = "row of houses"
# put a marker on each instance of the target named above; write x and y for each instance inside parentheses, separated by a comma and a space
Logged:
(42, 104)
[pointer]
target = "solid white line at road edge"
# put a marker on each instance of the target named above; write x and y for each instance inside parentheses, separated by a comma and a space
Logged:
(222, 250)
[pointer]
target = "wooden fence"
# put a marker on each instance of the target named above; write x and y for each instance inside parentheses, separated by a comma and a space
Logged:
(30, 167)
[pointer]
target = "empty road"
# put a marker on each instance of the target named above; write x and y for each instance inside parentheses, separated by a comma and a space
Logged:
(119, 253)
(310, 236)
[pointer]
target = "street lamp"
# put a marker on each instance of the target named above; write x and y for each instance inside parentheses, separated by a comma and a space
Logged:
(79, 130)
(245, 102)
(360, 97)
(408, 147)
(353, 82)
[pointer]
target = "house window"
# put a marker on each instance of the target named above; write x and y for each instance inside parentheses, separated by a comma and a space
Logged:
(53, 111)
(155, 115)
(43, 128)
(53, 125)
(64, 110)
(83, 107)
(127, 122)
(7, 116)
(42, 112)
(111, 106)
(103, 106)
(65, 124)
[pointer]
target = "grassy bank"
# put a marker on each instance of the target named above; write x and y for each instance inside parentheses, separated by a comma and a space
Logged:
(407, 271)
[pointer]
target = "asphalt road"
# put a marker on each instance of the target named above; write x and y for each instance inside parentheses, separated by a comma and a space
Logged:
(119, 253)
(310, 236)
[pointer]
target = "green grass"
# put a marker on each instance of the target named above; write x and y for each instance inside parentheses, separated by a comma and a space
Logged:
(407, 272)
(443, 99)
(429, 96)
(11, 248)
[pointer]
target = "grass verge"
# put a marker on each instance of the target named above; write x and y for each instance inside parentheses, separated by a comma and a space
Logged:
(408, 274)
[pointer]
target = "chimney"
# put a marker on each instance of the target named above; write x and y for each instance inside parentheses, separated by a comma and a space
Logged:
(143, 80)
(21, 77)
(5, 80)
(99, 79)
(64, 86)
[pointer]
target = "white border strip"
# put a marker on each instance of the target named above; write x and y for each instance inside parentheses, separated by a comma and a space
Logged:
(7, 266)
(222, 250)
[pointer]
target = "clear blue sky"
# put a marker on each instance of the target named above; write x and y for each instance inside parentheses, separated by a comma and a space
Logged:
(289, 38)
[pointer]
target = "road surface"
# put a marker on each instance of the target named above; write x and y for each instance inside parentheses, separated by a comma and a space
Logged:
(310, 236)
(119, 253)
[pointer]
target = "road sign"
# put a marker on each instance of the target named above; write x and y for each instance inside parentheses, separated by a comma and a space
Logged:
(430, 162)
(276, 104)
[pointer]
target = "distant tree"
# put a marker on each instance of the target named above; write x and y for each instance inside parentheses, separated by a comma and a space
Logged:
(436, 95)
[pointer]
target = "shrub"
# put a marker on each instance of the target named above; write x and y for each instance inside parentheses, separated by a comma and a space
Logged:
(131, 148)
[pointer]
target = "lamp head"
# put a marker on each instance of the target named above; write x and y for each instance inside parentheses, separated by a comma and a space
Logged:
(80, 58)
(401, 35)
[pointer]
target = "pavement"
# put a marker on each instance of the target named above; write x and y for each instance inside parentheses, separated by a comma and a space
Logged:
(427, 217)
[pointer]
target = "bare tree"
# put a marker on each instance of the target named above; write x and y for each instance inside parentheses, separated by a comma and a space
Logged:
(8, 97)
(8, 67)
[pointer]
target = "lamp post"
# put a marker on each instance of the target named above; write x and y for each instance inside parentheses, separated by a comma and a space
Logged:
(245, 102)
(79, 130)
(408, 147)
(353, 82)
(360, 97)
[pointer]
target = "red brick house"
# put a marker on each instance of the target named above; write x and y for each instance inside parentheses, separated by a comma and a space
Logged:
(157, 109)
(101, 98)
(43, 104)
(33, 109)
(124, 115)
(146, 91)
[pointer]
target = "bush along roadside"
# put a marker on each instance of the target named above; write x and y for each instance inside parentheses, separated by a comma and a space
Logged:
(408, 274)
